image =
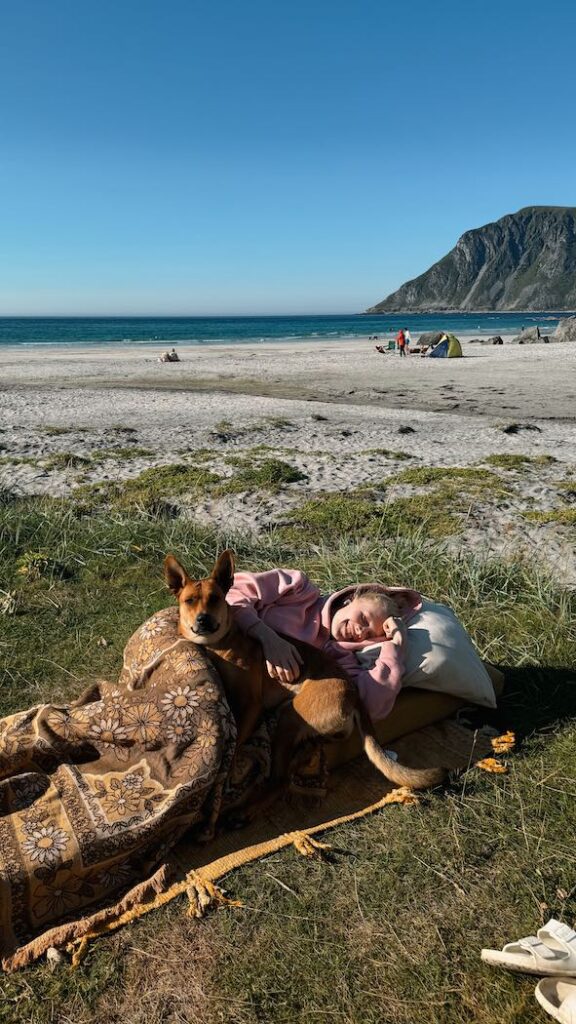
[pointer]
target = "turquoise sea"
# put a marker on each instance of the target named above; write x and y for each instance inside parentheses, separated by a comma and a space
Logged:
(235, 330)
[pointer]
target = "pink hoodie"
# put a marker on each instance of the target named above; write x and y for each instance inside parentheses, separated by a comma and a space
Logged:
(289, 603)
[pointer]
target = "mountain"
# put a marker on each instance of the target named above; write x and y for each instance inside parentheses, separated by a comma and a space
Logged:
(525, 260)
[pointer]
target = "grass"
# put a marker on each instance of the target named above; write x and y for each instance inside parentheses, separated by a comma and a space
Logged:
(390, 931)
(17, 460)
(278, 422)
(438, 513)
(65, 460)
(334, 515)
(269, 474)
(504, 461)
(563, 516)
(225, 430)
(442, 512)
(470, 476)
(53, 431)
(151, 491)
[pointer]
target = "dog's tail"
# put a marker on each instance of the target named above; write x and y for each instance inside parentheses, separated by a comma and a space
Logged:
(400, 775)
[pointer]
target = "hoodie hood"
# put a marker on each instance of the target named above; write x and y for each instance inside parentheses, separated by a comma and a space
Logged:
(408, 602)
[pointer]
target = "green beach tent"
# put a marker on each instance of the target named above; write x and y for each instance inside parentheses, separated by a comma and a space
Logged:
(448, 348)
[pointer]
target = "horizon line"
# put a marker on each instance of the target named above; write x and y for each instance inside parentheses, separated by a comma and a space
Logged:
(262, 316)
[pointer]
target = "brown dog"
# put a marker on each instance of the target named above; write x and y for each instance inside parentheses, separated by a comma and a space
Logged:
(325, 706)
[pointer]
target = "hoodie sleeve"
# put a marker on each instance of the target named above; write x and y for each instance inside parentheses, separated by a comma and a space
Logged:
(282, 598)
(379, 686)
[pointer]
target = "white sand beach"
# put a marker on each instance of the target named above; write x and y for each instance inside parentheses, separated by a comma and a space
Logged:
(343, 414)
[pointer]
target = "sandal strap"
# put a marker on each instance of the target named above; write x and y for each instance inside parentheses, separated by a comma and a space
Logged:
(538, 949)
(562, 933)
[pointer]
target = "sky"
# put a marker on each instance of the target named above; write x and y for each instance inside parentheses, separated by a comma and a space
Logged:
(178, 157)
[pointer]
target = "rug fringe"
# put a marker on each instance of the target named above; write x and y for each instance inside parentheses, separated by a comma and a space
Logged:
(203, 894)
(198, 884)
(72, 934)
(307, 845)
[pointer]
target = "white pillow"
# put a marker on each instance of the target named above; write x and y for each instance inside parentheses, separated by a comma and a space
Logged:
(440, 656)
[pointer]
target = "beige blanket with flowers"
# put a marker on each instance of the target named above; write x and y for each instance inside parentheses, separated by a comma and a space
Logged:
(93, 794)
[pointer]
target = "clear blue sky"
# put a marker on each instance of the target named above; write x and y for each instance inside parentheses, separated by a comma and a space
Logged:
(177, 156)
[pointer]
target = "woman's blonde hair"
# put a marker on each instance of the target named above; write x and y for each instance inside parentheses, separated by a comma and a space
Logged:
(385, 602)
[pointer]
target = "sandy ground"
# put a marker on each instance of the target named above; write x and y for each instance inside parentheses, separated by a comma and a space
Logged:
(509, 380)
(328, 409)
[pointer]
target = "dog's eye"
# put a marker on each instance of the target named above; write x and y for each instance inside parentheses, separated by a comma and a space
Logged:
(212, 600)
(190, 600)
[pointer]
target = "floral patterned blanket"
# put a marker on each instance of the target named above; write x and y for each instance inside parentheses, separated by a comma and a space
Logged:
(93, 794)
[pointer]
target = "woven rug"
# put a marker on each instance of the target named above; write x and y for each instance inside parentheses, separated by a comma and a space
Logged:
(98, 798)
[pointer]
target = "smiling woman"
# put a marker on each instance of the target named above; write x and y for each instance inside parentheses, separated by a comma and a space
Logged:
(369, 614)
(285, 601)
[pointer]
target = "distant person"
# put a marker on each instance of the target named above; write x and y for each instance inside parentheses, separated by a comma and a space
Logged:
(408, 338)
(401, 342)
(538, 333)
(169, 357)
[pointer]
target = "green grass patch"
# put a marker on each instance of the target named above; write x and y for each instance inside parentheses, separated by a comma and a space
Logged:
(441, 512)
(151, 491)
(335, 515)
(563, 516)
(65, 460)
(53, 431)
(439, 515)
(279, 422)
(225, 430)
(504, 461)
(17, 460)
(267, 475)
(470, 476)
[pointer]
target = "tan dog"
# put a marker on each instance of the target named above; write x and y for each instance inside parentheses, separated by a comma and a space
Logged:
(325, 706)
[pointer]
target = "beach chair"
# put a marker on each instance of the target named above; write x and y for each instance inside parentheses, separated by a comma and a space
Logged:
(391, 346)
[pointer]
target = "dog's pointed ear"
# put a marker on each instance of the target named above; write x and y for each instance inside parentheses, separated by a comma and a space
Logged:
(223, 571)
(175, 575)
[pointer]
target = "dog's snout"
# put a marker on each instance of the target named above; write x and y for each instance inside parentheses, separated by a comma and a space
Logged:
(205, 623)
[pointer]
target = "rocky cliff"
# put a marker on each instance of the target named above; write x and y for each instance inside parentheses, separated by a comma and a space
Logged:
(526, 260)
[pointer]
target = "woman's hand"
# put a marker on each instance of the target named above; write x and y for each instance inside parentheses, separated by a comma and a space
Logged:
(282, 659)
(395, 630)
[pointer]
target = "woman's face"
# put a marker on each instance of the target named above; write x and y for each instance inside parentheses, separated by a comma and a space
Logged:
(362, 619)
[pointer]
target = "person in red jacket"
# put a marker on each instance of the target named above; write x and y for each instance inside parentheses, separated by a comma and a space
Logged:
(401, 342)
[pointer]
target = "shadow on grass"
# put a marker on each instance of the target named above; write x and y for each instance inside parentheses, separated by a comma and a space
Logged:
(536, 698)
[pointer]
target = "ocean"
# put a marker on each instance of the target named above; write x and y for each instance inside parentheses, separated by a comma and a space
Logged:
(233, 330)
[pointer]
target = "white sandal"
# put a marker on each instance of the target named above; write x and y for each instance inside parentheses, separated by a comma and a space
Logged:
(558, 998)
(552, 952)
